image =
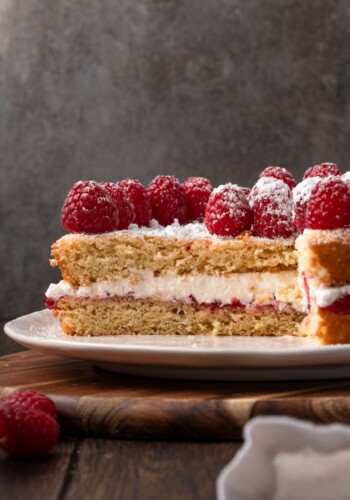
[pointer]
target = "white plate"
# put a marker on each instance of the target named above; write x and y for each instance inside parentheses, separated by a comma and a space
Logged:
(187, 357)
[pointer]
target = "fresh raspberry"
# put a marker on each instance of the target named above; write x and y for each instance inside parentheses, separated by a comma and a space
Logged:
(346, 178)
(246, 191)
(34, 400)
(228, 212)
(197, 191)
(89, 209)
(138, 196)
(329, 205)
(167, 199)
(25, 432)
(301, 196)
(124, 205)
(279, 173)
(271, 200)
(322, 170)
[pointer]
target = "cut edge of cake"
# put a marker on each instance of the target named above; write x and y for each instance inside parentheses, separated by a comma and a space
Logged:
(324, 278)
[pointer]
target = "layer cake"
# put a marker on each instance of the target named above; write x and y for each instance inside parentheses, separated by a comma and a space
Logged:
(235, 267)
(178, 279)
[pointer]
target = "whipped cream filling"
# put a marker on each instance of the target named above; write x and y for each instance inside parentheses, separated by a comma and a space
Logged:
(248, 288)
(326, 296)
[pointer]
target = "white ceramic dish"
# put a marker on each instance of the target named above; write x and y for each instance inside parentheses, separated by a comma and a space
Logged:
(252, 474)
(187, 357)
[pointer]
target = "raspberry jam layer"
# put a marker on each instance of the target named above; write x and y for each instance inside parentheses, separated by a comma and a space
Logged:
(333, 298)
(215, 307)
(340, 306)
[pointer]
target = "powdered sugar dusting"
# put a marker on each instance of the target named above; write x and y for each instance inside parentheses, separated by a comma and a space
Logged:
(323, 170)
(89, 208)
(226, 187)
(198, 183)
(279, 173)
(167, 198)
(329, 205)
(302, 192)
(321, 236)
(346, 178)
(192, 230)
(272, 204)
(233, 198)
(269, 188)
(228, 212)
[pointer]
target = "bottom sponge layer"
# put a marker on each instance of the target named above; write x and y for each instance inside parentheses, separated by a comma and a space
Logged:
(125, 316)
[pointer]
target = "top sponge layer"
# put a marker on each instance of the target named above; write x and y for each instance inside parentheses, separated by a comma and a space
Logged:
(85, 259)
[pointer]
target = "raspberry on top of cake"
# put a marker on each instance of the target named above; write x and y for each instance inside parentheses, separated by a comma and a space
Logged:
(184, 258)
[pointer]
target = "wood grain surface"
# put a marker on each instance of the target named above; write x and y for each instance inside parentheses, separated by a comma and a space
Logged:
(103, 469)
(115, 469)
(96, 403)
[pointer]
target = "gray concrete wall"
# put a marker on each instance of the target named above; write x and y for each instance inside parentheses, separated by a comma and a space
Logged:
(114, 88)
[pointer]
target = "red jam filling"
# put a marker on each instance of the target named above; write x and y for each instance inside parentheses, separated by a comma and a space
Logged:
(340, 306)
(49, 303)
(235, 303)
(307, 290)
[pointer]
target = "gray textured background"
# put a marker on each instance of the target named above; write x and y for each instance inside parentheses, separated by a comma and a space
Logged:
(114, 88)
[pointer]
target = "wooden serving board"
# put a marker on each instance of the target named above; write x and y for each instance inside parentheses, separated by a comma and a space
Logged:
(97, 403)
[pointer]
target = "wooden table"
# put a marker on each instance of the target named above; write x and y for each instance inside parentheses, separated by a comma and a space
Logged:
(179, 416)
(88, 468)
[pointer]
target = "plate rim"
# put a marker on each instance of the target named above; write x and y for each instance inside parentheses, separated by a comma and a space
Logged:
(189, 362)
(280, 352)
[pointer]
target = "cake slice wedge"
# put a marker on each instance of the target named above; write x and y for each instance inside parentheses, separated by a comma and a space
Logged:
(324, 276)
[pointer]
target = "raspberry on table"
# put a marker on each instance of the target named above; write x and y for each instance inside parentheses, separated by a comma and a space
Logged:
(34, 400)
(89, 208)
(197, 191)
(26, 431)
(228, 212)
(301, 196)
(329, 205)
(279, 173)
(125, 207)
(271, 201)
(322, 170)
(138, 196)
(167, 199)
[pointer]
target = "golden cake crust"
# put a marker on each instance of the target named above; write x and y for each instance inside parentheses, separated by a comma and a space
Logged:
(325, 255)
(327, 327)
